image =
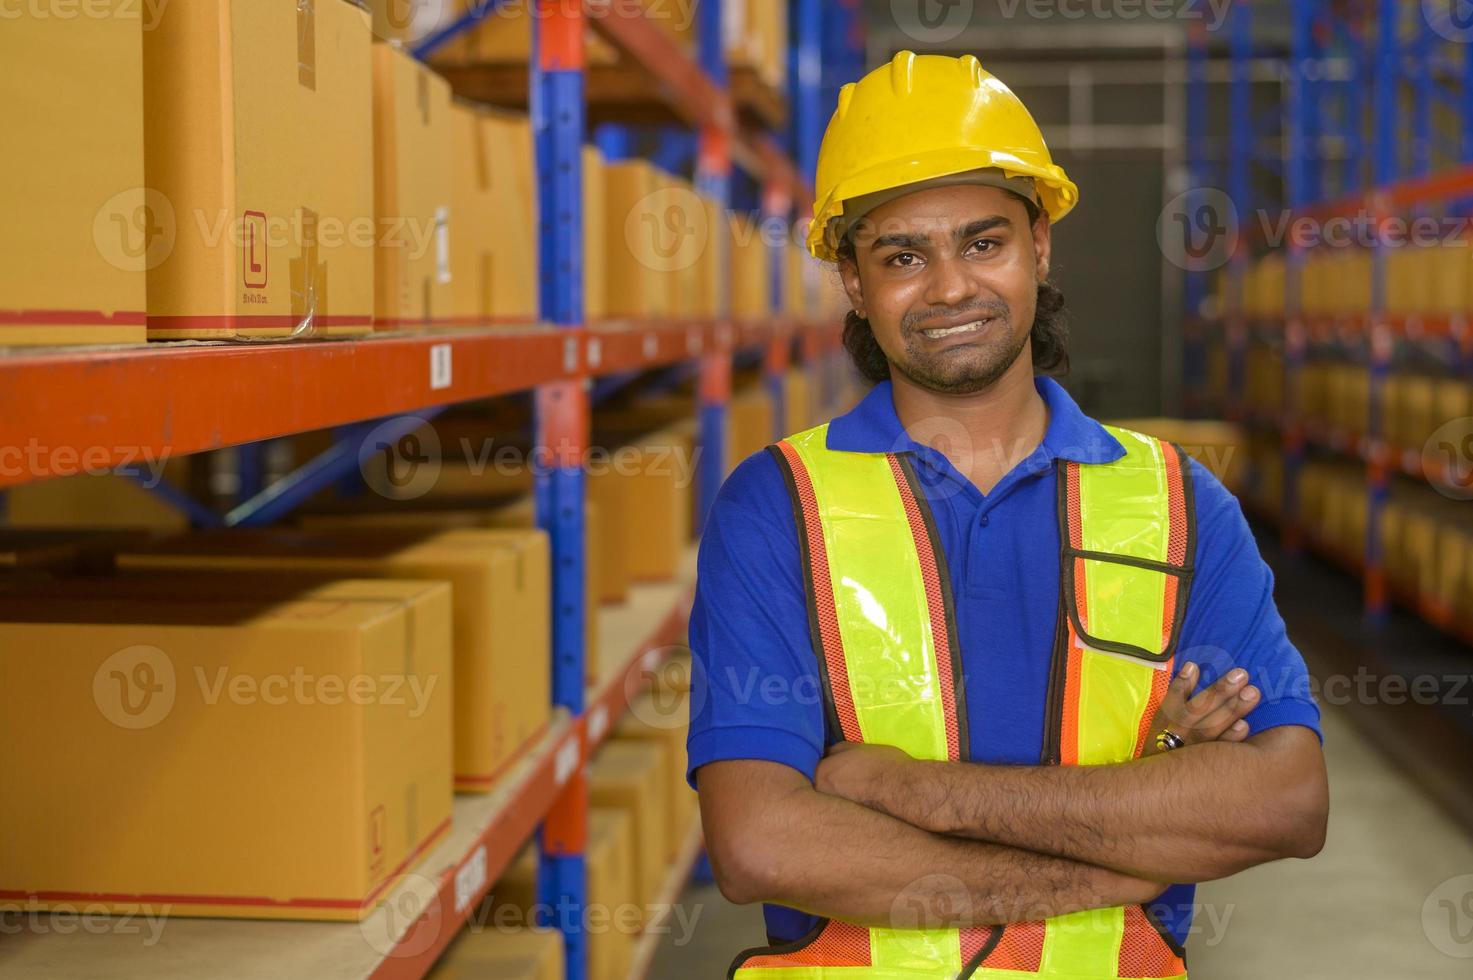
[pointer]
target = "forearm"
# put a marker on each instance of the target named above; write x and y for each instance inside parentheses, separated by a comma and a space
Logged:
(1192, 815)
(831, 857)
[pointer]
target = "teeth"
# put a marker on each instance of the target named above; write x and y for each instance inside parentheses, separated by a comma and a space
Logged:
(940, 332)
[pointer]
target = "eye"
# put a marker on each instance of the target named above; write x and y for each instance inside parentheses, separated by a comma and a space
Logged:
(895, 260)
(990, 244)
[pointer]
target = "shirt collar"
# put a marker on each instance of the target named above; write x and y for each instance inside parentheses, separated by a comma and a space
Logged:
(873, 427)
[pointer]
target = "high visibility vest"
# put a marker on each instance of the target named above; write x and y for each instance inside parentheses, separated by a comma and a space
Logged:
(884, 632)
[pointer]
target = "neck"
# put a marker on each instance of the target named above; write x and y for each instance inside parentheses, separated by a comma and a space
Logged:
(985, 433)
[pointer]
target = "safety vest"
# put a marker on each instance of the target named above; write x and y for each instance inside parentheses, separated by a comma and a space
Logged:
(884, 632)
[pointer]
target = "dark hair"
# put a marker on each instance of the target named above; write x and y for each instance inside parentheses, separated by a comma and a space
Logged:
(1050, 333)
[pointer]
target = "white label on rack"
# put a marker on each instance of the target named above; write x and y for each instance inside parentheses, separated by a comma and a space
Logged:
(693, 341)
(470, 879)
(595, 352)
(442, 244)
(651, 346)
(439, 366)
(566, 761)
(598, 722)
(570, 354)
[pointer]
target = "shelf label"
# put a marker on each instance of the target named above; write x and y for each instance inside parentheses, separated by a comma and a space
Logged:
(598, 722)
(470, 879)
(651, 346)
(439, 366)
(566, 761)
(693, 341)
(595, 352)
(570, 354)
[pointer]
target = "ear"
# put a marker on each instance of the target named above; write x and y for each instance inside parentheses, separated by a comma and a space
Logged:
(1043, 244)
(849, 274)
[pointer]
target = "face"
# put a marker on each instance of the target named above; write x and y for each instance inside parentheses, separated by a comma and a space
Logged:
(948, 279)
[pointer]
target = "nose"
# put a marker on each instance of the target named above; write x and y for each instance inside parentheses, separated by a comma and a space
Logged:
(949, 284)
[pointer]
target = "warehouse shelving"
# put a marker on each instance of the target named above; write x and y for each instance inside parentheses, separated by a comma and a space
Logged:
(107, 406)
(1341, 66)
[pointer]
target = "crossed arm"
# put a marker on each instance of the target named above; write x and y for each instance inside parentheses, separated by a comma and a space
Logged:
(883, 835)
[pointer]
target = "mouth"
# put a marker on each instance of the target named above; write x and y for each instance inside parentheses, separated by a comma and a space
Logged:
(939, 333)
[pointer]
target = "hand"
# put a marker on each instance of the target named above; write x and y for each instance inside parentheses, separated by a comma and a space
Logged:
(855, 770)
(1215, 715)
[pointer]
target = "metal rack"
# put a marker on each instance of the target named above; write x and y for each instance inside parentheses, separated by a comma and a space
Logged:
(182, 398)
(1394, 62)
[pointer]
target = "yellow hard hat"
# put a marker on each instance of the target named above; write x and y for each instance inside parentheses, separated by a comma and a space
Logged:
(921, 117)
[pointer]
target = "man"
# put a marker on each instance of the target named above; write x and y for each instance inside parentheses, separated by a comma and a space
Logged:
(984, 687)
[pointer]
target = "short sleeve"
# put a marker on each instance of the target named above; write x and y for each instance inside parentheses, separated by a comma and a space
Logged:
(756, 691)
(1232, 620)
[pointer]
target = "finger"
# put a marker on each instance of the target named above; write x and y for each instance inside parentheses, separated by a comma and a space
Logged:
(1236, 732)
(1219, 693)
(1227, 714)
(1180, 688)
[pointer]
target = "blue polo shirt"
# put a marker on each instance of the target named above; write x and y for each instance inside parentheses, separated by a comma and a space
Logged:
(757, 692)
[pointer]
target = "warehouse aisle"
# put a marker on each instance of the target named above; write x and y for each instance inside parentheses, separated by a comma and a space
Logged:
(1390, 896)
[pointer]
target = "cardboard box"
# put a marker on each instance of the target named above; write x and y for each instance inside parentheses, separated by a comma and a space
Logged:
(632, 777)
(665, 721)
(258, 128)
(306, 735)
(412, 189)
(715, 258)
(595, 232)
(503, 954)
(633, 239)
(501, 614)
(655, 520)
(797, 401)
(77, 216)
(609, 494)
(102, 500)
(751, 281)
(503, 37)
(519, 513)
(750, 425)
(611, 893)
(473, 232)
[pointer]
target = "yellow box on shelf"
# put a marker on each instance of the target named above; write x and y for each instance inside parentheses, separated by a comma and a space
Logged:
(632, 777)
(612, 892)
(658, 469)
(297, 753)
(80, 228)
(1312, 291)
(665, 721)
(751, 283)
(258, 126)
(500, 583)
(1450, 277)
(634, 241)
(486, 952)
(493, 244)
(797, 401)
(97, 500)
(520, 512)
(749, 423)
(595, 229)
(412, 141)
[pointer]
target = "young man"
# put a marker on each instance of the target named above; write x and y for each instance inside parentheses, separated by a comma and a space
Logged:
(984, 686)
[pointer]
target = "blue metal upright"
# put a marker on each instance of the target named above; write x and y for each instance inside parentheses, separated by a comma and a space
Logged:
(713, 180)
(562, 424)
(1244, 148)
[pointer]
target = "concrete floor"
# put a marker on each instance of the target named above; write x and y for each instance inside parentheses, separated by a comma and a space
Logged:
(1390, 897)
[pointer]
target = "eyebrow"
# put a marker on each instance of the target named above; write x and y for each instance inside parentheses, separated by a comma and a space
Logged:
(977, 227)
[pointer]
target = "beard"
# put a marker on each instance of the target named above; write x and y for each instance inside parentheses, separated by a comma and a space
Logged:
(964, 369)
